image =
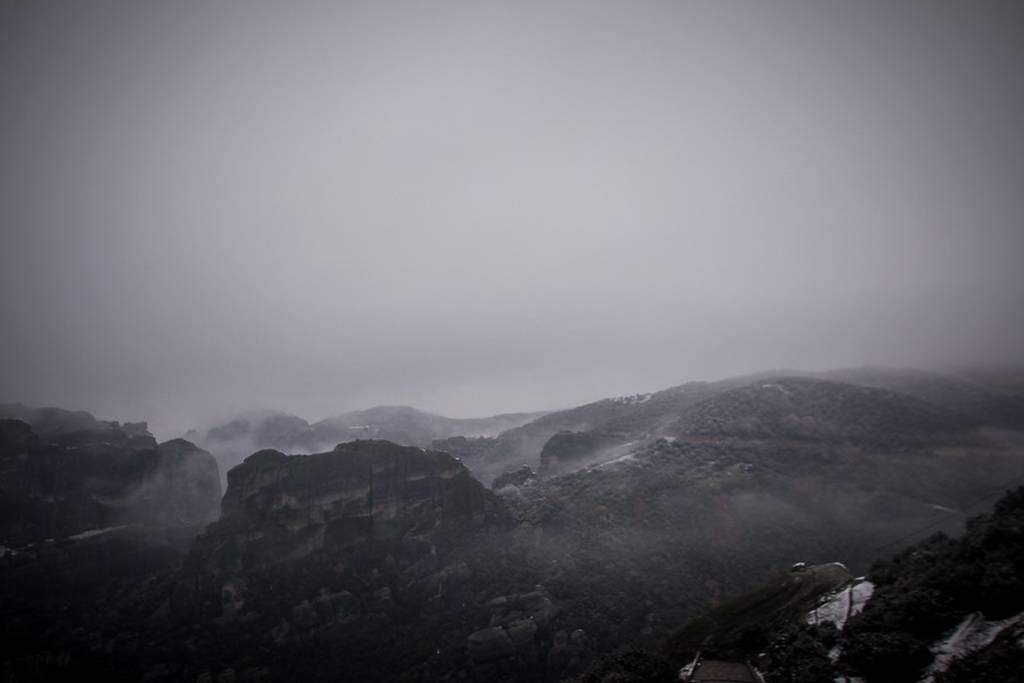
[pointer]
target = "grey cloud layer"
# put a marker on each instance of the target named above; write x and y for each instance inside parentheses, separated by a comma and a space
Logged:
(478, 207)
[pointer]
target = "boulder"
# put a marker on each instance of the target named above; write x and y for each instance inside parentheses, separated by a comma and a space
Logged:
(490, 644)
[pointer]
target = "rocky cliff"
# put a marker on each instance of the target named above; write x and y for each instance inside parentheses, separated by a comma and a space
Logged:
(386, 553)
(374, 493)
(66, 483)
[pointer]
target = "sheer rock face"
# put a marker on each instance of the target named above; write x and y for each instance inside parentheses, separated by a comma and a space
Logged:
(373, 495)
(63, 484)
(358, 537)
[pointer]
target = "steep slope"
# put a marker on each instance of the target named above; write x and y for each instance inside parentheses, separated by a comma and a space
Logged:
(710, 516)
(778, 404)
(617, 420)
(942, 611)
(925, 593)
(735, 628)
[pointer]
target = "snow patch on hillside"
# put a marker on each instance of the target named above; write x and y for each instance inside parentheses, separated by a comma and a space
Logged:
(777, 387)
(687, 671)
(973, 633)
(633, 400)
(95, 532)
(628, 457)
(839, 606)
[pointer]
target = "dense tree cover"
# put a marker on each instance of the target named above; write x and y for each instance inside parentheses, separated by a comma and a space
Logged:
(926, 590)
(921, 594)
(628, 666)
(762, 620)
(814, 409)
(612, 558)
(1000, 662)
(799, 653)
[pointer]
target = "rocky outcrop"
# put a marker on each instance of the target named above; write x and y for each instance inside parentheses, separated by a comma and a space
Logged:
(347, 546)
(66, 483)
(374, 493)
(514, 619)
(520, 638)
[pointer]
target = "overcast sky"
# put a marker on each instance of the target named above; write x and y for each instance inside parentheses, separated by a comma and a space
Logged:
(476, 207)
